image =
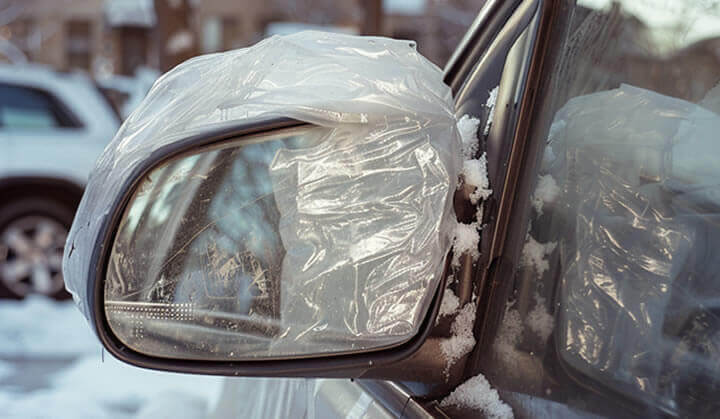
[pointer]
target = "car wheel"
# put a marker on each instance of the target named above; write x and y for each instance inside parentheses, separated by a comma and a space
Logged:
(32, 237)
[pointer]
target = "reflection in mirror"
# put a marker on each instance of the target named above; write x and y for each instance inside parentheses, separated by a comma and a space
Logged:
(195, 265)
(280, 246)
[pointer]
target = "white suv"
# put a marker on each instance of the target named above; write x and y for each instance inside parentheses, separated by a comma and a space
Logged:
(53, 126)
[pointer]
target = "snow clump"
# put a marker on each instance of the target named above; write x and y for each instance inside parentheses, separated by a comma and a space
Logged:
(475, 174)
(468, 127)
(477, 394)
(534, 255)
(539, 320)
(449, 304)
(510, 330)
(490, 104)
(546, 192)
(462, 340)
(508, 337)
(466, 240)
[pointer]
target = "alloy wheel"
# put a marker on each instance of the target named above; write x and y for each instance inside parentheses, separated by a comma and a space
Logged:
(31, 250)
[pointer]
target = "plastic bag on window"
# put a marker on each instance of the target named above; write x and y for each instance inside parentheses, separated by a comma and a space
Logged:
(366, 224)
(641, 202)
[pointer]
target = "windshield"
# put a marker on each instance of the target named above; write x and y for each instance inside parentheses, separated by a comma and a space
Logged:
(616, 252)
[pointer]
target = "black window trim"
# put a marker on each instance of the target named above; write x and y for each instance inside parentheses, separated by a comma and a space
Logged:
(503, 144)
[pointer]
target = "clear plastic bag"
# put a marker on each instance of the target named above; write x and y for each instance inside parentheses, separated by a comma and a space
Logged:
(366, 215)
(639, 295)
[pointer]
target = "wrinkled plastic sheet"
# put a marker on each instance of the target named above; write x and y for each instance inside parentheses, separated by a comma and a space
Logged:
(641, 199)
(366, 225)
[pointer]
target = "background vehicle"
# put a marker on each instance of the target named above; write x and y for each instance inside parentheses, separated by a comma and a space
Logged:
(598, 298)
(53, 127)
(125, 93)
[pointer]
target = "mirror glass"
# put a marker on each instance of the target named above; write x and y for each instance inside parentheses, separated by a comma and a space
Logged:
(198, 268)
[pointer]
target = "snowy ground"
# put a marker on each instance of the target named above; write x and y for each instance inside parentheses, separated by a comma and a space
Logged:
(51, 366)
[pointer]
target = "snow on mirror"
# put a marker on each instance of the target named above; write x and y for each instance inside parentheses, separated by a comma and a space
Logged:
(262, 248)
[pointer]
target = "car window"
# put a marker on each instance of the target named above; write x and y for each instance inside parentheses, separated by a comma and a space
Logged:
(615, 235)
(32, 109)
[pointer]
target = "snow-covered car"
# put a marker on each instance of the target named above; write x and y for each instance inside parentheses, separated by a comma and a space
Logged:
(53, 127)
(537, 237)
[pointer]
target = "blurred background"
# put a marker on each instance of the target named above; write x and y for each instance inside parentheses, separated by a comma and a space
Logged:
(117, 40)
(107, 37)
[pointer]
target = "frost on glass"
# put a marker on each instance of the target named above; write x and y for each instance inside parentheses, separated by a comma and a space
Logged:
(195, 266)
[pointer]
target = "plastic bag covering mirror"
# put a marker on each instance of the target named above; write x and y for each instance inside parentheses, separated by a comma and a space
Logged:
(363, 218)
(639, 295)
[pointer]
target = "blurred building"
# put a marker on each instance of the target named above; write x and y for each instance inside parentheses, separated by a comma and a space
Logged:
(63, 34)
(222, 25)
(118, 36)
(91, 35)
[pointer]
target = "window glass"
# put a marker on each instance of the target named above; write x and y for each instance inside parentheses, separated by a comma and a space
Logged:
(616, 285)
(27, 118)
(23, 108)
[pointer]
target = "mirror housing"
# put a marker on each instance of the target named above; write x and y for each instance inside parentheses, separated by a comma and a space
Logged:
(349, 364)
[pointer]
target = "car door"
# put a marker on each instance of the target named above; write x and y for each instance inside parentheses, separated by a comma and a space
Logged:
(58, 125)
(44, 132)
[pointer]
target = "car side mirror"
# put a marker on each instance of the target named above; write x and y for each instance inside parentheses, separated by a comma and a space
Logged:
(280, 210)
(222, 256)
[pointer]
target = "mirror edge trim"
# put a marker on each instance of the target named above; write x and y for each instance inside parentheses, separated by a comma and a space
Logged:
(331, 366)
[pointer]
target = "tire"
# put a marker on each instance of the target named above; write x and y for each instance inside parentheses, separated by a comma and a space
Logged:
(32, 237)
